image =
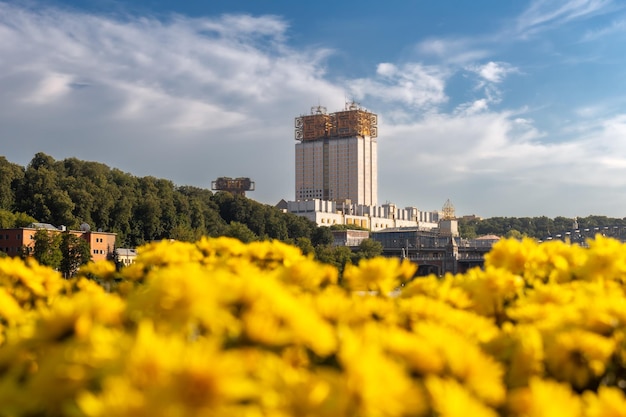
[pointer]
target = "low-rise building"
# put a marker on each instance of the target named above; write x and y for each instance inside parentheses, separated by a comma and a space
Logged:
(374, 218)
(125, 256)
(20, 241)
(351, 238)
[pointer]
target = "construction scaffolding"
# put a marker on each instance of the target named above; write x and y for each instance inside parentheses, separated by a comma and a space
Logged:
(448, 210)
(353, 121)
(235, 186)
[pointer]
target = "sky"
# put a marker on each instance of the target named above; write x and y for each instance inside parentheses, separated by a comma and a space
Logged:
(505, 108)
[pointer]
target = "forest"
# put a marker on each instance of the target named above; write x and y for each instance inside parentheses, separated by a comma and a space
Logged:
(533, 227)
(71, 192)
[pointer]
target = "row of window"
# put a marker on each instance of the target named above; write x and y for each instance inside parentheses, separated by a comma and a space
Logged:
(11, 249)
(18, 237)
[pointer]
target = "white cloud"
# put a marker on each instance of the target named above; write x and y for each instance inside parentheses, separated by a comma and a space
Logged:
(179, 98)
(503, 157)
(414, 85)
(473, 107)
(51, 87)
(493, 72)
(452, 51)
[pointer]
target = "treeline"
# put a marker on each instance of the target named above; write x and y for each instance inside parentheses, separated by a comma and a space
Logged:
(534, 227)
(143, 209)
(139, 209)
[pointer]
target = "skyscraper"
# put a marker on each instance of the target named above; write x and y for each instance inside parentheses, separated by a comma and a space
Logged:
(336, 157)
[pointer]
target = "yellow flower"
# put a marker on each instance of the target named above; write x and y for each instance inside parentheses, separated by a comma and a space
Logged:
(520, 349)
(465, 361)
(444, 289)
(309, 275)
(377, 385)
(102, 271)
(28, 282)
(10, 310)
(577, 356)
(491, 290)
(608, 402)
(382, 275)
(544, 398)
(511, 255)
(451, 399)
(417, 309)
(605, 259)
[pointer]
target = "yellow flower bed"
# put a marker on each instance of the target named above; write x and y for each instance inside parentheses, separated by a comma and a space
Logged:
(221, 328)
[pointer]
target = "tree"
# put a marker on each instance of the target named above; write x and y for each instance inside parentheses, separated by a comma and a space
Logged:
(515, 234)
(322, 236)
(305, 245)
(47, 249)
(10, 175)
(240, 231)
(337, 256)
(75, 252)
(184, 233)
(368, 248)
(9, 220)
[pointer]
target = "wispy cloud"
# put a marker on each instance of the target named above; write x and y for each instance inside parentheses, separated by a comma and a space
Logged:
(453, 51)
(545, 14)
(414, 85)
(616, 27)
(51, 87)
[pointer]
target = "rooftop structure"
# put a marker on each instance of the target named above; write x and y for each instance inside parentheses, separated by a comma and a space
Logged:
(235, 186)
(352, 121)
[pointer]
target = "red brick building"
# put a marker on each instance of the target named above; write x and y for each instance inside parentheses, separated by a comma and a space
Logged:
(20, 240)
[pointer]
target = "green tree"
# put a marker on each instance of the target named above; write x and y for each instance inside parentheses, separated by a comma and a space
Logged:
(298, 226)
(47, 249)
(240, 231)
(305, 245)
(10, 220)
(368, 248)
(322, 236)
(467, 228)
(10, 176)
(515, 234)
(75, 252)
(185, 233)
(338, 256)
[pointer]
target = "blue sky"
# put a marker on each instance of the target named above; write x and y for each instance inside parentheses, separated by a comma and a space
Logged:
(505, 108)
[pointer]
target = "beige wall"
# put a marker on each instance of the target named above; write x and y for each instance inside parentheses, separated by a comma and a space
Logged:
(351, 171)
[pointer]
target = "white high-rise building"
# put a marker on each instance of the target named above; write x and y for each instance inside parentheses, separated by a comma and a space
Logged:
(337, 173)
(336, 157)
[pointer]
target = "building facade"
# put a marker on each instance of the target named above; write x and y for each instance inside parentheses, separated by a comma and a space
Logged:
(17, 242)
(328, 213)
(337, 156)
(336, 163)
